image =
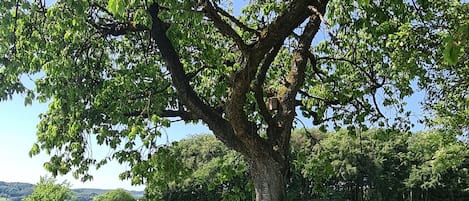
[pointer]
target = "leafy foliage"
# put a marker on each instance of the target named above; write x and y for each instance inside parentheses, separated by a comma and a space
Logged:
(389, 165)
(115, 195)
(48, 190)
(447, 92)
(209, 171)
(118, 71)
(439, 166)
(17, 191)
(371, 165)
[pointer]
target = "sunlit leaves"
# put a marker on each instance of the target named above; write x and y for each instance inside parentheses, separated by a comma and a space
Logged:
(364, 2)
(142, 17)
(447, 93)
(34, 150)
(85, 77)
(115, 195)
(48, 189)
(201, 168)
(452, 51)
(438, 160)
(117, 7)
(400, 44)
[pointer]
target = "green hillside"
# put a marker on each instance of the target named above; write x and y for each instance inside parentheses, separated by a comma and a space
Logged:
(15, 191)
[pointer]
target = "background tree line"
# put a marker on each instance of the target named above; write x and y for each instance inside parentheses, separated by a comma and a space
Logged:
(343, 165)
(47, 189)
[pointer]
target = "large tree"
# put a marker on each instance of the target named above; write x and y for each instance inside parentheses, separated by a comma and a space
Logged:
(118, 71)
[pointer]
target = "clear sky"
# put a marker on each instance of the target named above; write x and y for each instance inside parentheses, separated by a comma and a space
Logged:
(17, 134)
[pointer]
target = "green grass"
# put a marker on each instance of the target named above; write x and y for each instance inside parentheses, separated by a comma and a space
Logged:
(4, 199)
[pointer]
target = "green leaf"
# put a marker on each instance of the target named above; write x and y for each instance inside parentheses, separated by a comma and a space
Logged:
(143, 17)
(117, 7)
(323, 128)
(67, 34)
(451, 52)
(27, 101)
(74, 22)
(34, 150)
(112, 6)
(133, 132)
(364, 2)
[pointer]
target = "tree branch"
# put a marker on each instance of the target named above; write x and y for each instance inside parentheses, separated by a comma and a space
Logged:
(296, 75)
(226, 29)
(373, 81)
(271, 36)
(236, 21)
(375, 103)
(221, 128)
(314, 64)
(184, 115)
(327, 102)
(259, 82)
(100, 7)
(286, 22)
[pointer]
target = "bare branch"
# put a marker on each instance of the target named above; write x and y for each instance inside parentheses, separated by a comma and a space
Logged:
(226, 29)
(380, 114)
(296, 75)
(221, 127)
(338, 59)
(236, 21)
(325, 101)
(184, 115)
(258, 92)
(286, 22)
(373, 80)
(348, 61)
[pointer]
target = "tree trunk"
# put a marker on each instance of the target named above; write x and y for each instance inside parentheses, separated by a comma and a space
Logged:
(268, 178)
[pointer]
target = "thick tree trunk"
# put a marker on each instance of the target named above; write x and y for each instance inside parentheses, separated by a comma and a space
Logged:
(269, 179)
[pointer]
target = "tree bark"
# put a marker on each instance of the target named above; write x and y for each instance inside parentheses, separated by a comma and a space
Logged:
(269, 177)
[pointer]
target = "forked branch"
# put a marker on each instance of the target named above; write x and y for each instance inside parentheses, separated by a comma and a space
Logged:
(185, 92)
(212, 12)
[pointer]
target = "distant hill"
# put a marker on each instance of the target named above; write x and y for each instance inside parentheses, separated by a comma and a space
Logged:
(87, 194)
(15, 191)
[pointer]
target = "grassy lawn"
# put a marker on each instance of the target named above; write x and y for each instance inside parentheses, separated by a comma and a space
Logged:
(4, 199)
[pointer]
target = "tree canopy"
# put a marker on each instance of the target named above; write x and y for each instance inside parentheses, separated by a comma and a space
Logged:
(115, 195)
(48, 190)
(118, 71)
